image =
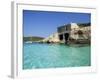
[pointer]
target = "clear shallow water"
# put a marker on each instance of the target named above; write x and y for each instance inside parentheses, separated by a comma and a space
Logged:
(36, 55)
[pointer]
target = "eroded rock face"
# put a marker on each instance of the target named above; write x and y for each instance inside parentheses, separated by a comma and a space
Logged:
(52, 38)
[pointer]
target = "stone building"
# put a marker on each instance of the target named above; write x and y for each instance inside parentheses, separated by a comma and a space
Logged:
(75, 33)
(71, 33)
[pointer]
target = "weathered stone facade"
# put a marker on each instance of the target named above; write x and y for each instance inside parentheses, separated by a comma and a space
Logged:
(71, 33)
(75, 33)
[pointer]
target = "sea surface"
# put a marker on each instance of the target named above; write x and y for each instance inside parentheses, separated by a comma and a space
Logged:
(42, 55)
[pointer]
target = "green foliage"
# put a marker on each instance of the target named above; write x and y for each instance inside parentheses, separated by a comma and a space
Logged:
(32, 38)
(84, 24)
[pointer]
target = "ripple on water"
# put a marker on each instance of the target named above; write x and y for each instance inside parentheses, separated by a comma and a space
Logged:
(55, 55)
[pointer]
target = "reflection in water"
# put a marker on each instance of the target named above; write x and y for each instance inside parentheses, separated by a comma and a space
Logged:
(38, 55)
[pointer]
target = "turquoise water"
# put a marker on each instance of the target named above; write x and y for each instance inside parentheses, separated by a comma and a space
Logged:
(38, 55)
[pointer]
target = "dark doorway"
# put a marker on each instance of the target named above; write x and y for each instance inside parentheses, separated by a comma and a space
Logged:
(61, 37)
(66, 36)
